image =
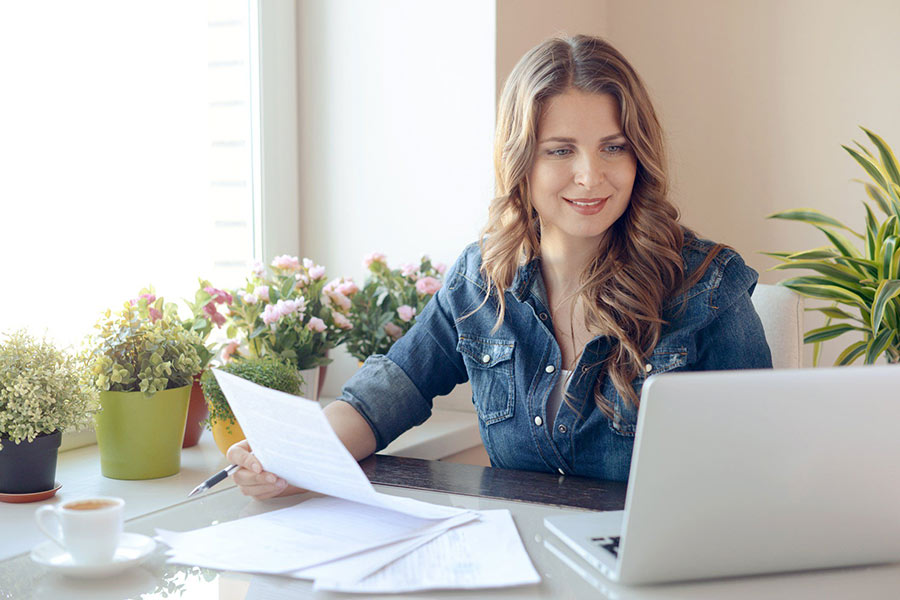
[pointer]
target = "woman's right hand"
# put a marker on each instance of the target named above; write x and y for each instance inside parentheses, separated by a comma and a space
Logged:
(251, 478)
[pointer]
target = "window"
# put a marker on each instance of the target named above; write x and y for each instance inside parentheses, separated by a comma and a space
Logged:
(128, 155)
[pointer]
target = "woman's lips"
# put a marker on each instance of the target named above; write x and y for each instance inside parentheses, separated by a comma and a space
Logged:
(587, 206)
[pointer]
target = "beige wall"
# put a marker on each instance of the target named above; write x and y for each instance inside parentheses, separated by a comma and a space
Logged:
(757, 98)
(522, 24)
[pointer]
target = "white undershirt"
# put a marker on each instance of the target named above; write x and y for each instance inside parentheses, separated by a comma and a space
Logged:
(556, 397)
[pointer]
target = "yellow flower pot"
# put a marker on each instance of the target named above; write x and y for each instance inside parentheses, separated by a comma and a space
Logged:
(225, 434)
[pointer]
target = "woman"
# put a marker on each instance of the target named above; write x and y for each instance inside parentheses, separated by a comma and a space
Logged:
(583, 285)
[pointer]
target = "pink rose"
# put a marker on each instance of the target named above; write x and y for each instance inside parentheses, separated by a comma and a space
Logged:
(288, 263)
(249, 298)
(408, 269)
(427, 286)
(215, 316)
(258, 269)
(150, 298)
(317, 272)
(374, 257)
(341, 321)
(155, 315)
(406, 313)
(394, 331)
(271, 314)
(307, 264)
(341, 300)
(316, 324)
(262, 292)
(229, 349)
(440, 268)
(219, 296)
(348, 288)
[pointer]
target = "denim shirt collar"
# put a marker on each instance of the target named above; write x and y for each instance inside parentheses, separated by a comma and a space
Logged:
(529, 275)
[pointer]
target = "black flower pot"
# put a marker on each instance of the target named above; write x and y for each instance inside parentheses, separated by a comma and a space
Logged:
(29, 467)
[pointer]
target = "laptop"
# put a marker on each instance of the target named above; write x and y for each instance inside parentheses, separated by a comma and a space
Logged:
(750, 472)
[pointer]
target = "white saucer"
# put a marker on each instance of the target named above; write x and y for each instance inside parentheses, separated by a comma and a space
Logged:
(133, 549)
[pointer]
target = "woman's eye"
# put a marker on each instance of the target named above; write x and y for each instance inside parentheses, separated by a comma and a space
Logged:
(559, 152)
(615, 149)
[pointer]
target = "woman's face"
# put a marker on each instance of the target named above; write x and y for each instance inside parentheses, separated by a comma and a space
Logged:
(583, 170)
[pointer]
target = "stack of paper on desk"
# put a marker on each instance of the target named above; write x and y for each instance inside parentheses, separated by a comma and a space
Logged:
(356, 539)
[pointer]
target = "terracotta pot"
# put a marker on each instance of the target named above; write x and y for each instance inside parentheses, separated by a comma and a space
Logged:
(197, 413)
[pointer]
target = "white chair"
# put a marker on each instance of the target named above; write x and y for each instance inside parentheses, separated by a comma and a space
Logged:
(781, 313)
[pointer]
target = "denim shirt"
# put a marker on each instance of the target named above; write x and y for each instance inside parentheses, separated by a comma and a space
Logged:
(514, 370)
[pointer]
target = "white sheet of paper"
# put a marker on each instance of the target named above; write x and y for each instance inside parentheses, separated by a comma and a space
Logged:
(316, 531)
(292, 438)
(362, 564)
(481, 554)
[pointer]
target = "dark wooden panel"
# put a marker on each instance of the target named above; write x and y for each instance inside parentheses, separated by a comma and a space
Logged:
(504, 484)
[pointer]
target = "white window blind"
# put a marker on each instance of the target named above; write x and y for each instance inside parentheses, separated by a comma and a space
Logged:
(126, 155)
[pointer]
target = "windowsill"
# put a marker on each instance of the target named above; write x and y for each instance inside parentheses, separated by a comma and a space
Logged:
(445, 434)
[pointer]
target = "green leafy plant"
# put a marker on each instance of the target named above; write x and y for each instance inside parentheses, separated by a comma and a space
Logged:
(861, 284)
(143, 347)
(386, 306)
(289, 311)
(266, 371)
(42, 389)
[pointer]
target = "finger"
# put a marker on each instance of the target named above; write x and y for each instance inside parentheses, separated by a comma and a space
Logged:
(263, 491)
(240, 454)
(246, 477)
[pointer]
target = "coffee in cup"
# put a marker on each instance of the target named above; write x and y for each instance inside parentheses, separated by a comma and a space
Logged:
(88, 528)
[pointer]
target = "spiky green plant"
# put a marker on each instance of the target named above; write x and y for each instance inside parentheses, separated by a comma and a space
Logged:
(862, 285)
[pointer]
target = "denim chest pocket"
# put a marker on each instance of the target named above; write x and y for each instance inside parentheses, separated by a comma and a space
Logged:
(489, 362)
(662, 360)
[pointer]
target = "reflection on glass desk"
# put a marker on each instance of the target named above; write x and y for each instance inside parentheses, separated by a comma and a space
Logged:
(529, 496)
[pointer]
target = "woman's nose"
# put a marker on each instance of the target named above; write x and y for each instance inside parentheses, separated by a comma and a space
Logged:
(589, 171)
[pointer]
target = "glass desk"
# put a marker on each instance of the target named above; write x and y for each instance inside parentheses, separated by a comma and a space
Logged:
(529, 496)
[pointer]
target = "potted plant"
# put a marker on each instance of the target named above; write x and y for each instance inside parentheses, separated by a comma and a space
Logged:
(143, 361)
(267, 371)
(386, 306)
(204, 319)
(862, 284)
(43, 392)
(290, 312)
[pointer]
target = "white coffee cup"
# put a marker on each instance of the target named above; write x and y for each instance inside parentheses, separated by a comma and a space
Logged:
(88, 528)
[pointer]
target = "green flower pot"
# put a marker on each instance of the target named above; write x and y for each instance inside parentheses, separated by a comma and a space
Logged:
(140, 438)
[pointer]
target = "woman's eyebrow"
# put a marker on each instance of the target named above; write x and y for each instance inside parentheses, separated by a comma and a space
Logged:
(568, 140)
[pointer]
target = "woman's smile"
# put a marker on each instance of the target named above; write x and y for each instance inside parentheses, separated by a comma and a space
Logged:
(587, 206)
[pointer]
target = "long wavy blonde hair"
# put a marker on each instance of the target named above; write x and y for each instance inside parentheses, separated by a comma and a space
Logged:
(638, 264)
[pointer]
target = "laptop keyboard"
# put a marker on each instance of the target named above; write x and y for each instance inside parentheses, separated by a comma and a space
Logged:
(610, 544)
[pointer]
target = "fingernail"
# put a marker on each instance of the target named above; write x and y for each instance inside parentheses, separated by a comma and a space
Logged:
(256, 468)
(270, 478)
(281, 483)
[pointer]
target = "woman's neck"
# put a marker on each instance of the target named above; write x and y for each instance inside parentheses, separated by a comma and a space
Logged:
(562, 264)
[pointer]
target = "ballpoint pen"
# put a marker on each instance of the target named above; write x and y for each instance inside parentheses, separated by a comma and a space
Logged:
(214, 480)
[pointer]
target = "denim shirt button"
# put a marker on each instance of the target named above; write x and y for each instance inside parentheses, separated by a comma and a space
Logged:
(550, 368)
(648, 367)
(538, 421)
(562, 429)
(561, 472)
(543, 316)
(486, 358)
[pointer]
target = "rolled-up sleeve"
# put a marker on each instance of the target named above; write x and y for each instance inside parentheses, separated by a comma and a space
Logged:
(394, 392)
